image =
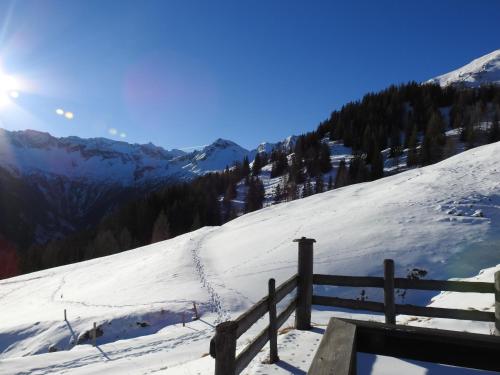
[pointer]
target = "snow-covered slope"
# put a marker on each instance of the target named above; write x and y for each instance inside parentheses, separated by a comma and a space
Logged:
(443, 218)
(481, 71)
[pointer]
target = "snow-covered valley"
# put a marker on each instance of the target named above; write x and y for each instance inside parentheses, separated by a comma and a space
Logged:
(443, 218)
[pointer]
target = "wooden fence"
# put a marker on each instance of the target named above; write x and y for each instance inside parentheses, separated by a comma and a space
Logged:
(223, 344)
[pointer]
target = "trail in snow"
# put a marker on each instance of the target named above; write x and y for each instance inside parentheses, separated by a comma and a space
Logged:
(215, 300)
(110, 353)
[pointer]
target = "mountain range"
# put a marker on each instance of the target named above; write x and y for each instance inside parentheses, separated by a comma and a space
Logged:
(53, 186)
(50, 186)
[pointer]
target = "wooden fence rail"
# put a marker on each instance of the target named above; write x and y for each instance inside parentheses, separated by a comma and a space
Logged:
(223, 345)
(343, 338)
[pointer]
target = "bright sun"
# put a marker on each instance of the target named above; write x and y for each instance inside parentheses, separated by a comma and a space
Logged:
(9, 89)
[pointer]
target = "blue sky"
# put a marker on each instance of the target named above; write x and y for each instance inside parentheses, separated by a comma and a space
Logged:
(183, 73)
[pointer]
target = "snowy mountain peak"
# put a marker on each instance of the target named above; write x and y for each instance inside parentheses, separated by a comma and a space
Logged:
(214, 157)
(481, 71)
(222, 143)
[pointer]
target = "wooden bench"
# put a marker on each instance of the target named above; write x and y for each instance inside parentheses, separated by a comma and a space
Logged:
(336, 354)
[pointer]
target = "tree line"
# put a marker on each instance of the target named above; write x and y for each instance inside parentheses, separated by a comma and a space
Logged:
(409, 117)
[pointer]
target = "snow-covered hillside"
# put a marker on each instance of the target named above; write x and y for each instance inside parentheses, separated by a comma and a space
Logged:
(481, 71)
(443, 218)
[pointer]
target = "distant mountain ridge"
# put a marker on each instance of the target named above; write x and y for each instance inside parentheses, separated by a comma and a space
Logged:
(52, 186)
(481, 71)
(31, 152)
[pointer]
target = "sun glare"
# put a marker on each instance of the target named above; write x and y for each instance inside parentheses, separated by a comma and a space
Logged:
(8, 89)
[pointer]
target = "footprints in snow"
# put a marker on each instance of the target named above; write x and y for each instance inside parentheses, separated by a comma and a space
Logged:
(215, 300)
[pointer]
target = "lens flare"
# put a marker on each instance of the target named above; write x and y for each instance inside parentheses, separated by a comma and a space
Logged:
(69, 115)
(60, 111)
(8, 89)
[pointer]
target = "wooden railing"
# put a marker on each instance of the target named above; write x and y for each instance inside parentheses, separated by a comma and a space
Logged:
(223, 345)
(390, 308)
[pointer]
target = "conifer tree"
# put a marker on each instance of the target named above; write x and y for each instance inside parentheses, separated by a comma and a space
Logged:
(161, 228)
(342, 178)
(434, 140)
(125, 239)
(196, 222)
(245, 167)
(295, 171)
(307, 188)
(330, 183)
(257, 165)
(494, 131)
(278, 194)
(377, 166)
(280, 163)
(357, 169)
(230, 193)
(292, 192)
(325, 164)
(255, 195)
(318, 184)
(413, 157)
(105, 243)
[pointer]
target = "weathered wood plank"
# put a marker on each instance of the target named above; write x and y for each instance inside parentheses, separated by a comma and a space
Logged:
(305, 283)
(257, 311)
(389, 307)
(445, 285)
(431, 345)
(223, 348)
(273, 325)
(348, 303)
(249, 317)
(337, 351)
(252, 349)
(285, 314)
(351, 281)
(287, 287)
(403, 283)
(440, 312)
(497, 302)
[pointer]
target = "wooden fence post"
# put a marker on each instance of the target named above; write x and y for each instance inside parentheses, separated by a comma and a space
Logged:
(305, 285)
(65, 317)
(223, 348)
(195, 309)
(273, 324)
(94, 335)
(497, 302)
(389, 307)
